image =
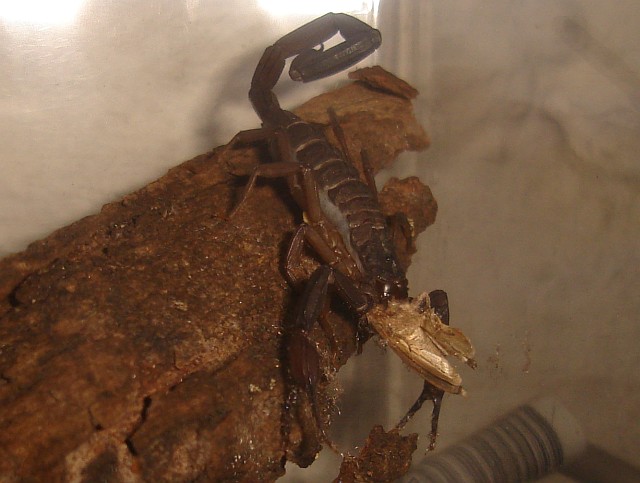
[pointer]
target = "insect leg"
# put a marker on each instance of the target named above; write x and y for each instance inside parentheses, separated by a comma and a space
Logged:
(429, 393)
(440, 304)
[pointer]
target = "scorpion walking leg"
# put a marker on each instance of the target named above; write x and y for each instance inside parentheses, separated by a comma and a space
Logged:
(304, 360)
(367, 170)
(401, 231)
(293, 258)
(308, 234)
(440, 304)
(280, 169)
(271, 170)
(340, 136)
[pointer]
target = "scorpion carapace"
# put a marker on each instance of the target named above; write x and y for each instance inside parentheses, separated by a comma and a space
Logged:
(343, 221)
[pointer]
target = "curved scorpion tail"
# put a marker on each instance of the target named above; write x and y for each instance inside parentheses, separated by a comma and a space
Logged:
(360, 40)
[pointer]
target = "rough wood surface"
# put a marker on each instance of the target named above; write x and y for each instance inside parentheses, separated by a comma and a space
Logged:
(385, 456)
(144, 343)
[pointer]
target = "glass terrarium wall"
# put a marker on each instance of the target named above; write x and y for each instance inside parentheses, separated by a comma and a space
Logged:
(533, 110)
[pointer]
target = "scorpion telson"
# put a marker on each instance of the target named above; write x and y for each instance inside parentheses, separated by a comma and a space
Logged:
(343, 221)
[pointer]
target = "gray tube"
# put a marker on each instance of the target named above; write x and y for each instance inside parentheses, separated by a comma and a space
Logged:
(528, 443)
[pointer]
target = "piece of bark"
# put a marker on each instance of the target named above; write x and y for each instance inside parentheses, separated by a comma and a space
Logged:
(385, 456)
(410, 208)
(144, 343)
(379, 78)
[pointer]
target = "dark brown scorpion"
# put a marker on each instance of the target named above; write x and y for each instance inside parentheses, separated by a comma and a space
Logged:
(343, 221)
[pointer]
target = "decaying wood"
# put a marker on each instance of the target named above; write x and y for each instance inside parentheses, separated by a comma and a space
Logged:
(385, 456)
(144, 343)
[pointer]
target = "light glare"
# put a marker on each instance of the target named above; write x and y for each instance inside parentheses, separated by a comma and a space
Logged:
(315, 7)
(42, 12)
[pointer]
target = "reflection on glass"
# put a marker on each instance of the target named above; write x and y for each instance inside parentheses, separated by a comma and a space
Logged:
(42, 12)
(313, 7)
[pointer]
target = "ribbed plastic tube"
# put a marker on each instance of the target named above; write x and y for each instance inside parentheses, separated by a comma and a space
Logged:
(528, 443)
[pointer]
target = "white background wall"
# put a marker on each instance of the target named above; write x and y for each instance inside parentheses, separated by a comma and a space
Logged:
(534, 112)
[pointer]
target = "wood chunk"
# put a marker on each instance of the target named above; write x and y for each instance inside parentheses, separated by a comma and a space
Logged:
(144, 343)
(410, 208)
(368, 125)
(379, 78)
(384, 457)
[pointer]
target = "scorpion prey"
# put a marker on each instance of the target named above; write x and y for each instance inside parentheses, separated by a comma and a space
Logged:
(343, 221)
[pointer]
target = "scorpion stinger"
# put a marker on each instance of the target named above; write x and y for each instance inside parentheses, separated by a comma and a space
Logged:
(360, 40)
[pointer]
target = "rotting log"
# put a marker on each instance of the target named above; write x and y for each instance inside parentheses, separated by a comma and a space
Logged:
(144, 343)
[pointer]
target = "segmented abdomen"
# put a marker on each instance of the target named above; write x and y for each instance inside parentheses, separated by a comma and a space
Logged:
(347, 202)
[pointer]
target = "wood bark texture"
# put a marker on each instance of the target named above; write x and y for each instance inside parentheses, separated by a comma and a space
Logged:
(145, 343)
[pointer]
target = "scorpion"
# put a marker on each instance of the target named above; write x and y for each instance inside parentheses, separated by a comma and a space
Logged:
(343, 221)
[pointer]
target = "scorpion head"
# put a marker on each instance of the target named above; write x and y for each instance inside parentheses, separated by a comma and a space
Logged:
(391, 287)
(387, 276)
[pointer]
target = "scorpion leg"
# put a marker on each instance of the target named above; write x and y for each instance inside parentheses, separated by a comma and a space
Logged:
(367, 170)
(293, 258)
(324, 247)
(440, 303)
(340, 136)
(401, 230)
(279, 169)
(304, 360)
(309, 234)
(369, 177)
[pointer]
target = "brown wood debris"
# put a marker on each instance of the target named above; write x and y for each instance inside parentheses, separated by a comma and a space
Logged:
(385, 456)
(144, 343)
(379, 78)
